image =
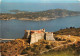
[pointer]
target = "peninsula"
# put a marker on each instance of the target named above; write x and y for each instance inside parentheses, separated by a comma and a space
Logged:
(37, 16)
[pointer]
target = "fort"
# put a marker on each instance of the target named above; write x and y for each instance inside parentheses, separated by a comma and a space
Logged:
(35, 35)
(41, 42)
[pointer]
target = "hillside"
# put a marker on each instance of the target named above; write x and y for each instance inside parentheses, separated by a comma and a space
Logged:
(41, 15)
(69, 31)
(63, 42)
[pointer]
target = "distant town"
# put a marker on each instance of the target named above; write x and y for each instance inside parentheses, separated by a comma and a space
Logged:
(37, 16)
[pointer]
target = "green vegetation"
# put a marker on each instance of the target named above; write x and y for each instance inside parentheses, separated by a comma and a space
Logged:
(48, 46)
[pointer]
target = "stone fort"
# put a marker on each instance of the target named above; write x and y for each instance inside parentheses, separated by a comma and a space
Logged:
(36, 35)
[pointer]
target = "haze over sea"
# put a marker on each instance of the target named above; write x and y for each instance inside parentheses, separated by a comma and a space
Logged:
(15, 28)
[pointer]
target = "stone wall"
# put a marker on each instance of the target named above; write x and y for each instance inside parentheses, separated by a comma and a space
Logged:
(36, 35)
(49, 36)
(27, 34)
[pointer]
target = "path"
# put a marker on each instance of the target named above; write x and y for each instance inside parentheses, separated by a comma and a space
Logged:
(66, 37)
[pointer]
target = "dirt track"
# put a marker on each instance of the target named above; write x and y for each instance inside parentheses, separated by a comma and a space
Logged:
(73, 39)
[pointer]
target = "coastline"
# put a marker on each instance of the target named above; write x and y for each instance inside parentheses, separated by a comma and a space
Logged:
(38, 16)
(38, 19)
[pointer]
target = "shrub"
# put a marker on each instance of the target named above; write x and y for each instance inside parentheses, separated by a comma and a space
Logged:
(48, 46)
(28, 48)
(24, 52)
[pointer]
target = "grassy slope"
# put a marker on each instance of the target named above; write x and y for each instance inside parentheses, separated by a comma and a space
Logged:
(67, 52)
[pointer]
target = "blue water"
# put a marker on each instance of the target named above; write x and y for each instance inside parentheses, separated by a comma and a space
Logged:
(15, 28)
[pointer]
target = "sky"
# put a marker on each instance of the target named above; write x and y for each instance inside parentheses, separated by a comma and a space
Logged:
(42, 1)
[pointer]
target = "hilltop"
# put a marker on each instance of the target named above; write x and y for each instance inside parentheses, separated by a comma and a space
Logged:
(43, 45)
(69, 31)
(37, 16)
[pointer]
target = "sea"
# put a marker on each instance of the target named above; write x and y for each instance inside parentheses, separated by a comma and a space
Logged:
(13, 29)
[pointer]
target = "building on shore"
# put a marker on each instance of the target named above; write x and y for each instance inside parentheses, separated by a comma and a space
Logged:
(36, 35)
